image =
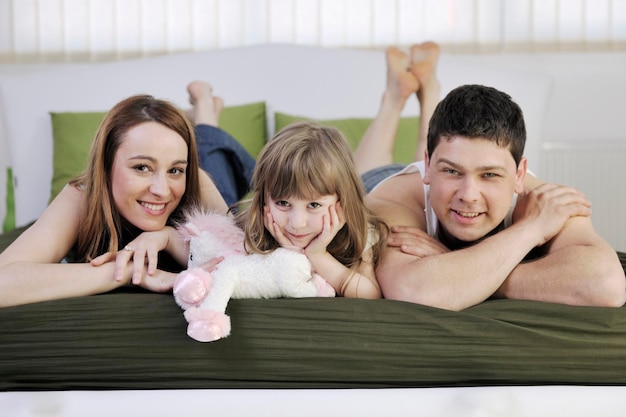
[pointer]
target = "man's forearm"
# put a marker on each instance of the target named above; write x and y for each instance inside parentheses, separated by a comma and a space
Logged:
(458, 279)
(577, 275)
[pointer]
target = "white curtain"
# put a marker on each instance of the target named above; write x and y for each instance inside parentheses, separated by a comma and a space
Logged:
(85, 30)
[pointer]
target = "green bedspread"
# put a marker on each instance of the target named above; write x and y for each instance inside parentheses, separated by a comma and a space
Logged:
(131, 339)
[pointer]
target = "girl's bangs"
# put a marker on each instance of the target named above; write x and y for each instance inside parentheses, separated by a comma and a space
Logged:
(301, 180)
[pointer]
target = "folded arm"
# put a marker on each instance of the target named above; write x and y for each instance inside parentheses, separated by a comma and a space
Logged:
(578, 267)
(452, 280)
(30, 268)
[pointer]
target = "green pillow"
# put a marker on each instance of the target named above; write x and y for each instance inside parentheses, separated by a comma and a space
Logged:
(354, 129)
(9, 219)
(73, 132)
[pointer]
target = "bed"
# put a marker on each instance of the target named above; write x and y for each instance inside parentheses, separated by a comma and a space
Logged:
(126, 353)
(132, 340)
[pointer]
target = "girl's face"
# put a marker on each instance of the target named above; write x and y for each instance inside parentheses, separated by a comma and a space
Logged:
(300, 220)
(148, 178)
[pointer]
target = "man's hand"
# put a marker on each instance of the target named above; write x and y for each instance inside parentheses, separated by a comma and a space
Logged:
(548, 207)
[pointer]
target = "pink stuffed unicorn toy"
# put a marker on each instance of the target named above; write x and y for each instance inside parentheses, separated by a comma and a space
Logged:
(204, 295)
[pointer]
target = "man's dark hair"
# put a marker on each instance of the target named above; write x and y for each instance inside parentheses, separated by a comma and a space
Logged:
(477, 111)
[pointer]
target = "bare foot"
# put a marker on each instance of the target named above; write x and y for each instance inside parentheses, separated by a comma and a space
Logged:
(424, 57)
(401, 83)
(206, 108)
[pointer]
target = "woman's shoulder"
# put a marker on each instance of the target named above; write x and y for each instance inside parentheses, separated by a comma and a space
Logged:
(54, 233)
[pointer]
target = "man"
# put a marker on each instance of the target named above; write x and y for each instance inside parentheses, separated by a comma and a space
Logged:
(469, 222)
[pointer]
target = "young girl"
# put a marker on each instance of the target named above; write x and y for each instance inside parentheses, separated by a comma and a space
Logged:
(307, 194)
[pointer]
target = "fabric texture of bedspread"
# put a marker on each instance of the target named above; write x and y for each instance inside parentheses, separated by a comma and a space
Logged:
(133, 339)
(137, 340)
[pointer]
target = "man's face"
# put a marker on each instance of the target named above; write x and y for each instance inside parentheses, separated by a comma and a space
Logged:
(472, 182)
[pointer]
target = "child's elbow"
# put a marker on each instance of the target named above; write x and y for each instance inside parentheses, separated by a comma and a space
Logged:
(371, 294)
(364, 288)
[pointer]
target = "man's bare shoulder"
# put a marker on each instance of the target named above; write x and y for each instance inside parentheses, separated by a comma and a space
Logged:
(399, 200)
(407, 189)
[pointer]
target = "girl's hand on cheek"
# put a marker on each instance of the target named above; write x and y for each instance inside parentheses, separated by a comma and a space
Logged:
(338, 216)
(275, 231)
(333, 222)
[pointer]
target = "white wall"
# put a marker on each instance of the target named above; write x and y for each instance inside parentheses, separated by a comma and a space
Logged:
(589, 89)
(586, 103)
(584, 130)
(8, 70)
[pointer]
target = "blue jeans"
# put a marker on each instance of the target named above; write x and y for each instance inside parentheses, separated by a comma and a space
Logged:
(374, 176)
(228, 163)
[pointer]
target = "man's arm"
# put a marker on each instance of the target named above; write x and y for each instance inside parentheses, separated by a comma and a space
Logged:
(578, 268)
(462, 278)
(452, 280)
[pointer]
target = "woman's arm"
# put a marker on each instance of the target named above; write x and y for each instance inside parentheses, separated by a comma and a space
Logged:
(143, 252)
(30, 269)
(211, 197)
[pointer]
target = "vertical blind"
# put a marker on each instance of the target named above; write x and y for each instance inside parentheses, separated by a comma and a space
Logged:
(75, 30)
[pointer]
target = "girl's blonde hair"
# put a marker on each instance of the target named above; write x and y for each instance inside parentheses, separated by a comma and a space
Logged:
(307, 160)
(100, 227)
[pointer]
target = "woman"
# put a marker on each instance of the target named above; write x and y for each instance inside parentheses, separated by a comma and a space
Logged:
(113, 221)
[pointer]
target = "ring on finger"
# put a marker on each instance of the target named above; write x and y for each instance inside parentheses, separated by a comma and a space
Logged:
(128, 248)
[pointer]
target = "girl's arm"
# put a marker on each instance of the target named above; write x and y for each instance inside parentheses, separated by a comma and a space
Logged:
(347, 282)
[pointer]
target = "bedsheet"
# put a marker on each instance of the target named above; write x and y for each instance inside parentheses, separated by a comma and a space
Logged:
(133, 339)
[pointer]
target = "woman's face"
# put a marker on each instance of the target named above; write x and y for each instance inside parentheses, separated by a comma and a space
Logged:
(148, 178)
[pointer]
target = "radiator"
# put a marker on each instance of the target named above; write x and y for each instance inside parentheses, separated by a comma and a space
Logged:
(598, 170)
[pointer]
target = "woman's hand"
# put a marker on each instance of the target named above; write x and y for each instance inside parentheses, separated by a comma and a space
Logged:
(144, 249)
(414, 241)
(158, 281)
